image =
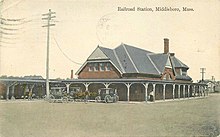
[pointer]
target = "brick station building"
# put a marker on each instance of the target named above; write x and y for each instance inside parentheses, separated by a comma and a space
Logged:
(138, 74)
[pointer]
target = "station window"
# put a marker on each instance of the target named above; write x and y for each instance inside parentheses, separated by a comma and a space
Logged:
(177, 71)
(102, 66)
(108, 67)
(91, 67)
(96, 67)
(184, 72)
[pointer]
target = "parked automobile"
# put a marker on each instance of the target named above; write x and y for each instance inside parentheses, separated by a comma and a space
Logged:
(107, 95)
(59, 94)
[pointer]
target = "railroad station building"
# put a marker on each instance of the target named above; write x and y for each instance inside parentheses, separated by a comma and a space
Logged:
(138, 74)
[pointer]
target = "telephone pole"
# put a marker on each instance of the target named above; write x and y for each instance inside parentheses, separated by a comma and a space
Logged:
(202, 72)
(48, 16)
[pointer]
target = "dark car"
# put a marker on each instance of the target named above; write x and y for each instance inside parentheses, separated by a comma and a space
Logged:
(59, 94)
(107, 95)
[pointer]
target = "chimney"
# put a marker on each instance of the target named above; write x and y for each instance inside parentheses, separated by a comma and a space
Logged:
(172, 54)
(71, 77)
(166, 45)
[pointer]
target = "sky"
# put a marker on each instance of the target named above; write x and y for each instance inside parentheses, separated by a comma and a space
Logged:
(82, 25)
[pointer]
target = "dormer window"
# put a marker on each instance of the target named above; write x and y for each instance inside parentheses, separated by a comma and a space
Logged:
(178, 71)
(102, 66)
(91, 67)
(108, 67)
(96, 68)
(184, 72)
(181, 71)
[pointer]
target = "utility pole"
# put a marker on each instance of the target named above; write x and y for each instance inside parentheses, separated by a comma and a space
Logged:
(212, 84)
(213, 78)
(48, 17)
(203, 72)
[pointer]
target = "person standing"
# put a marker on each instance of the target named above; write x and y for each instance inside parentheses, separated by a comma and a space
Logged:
(30, 95)
(86, 96)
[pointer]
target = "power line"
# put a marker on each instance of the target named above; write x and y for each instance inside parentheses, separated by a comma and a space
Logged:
(2, 46)
(6, 33)
(8, 38)
(4, 28)
(13, 23)
(6, 42)
(10, 6)
(65, 54)
(12, 19)
(10, 26)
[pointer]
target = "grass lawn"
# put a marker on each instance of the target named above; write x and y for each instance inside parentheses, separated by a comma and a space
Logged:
(194, 117)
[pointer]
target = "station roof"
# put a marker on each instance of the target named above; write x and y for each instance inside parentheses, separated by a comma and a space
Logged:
(130, 59)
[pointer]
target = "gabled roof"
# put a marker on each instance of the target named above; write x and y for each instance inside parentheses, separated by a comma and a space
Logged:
(129, 59)
(112, 56)
(136, 60)
(177, 63)
(97, 54)
(159, 60)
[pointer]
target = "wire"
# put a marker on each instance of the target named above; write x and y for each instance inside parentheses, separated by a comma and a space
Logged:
(12, 19)
(65, 54)
(3, 28)
(12, 5)
(13, 24)
(6, 46)
(6, 42)
(7, 38)
(5, 33)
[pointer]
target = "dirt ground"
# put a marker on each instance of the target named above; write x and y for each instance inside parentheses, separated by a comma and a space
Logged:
(193, 117)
